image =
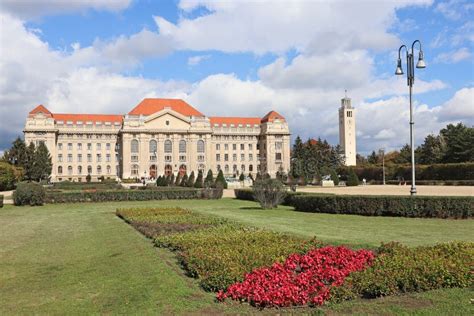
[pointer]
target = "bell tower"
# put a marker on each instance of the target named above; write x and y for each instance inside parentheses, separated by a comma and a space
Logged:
(347, 131)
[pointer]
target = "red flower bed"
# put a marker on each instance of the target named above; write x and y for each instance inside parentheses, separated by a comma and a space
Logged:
(301, 279)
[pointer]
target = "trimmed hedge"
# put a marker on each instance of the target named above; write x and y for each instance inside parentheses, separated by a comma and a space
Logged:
(398, 269)
(405, 206)
(132, 195)
(29, 193)
(1, 201)
(106, 185)
(247, 195)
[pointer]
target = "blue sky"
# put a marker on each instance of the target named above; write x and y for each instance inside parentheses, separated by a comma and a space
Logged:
(241, 58)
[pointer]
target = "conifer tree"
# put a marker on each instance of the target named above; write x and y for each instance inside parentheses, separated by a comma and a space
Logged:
(177, 181)
(184, 180)
(190, 182)
(198, 183)
(220, 180)
(17, 154)
(42, 163)
(29, 166)
(208, 182)
(171, 182)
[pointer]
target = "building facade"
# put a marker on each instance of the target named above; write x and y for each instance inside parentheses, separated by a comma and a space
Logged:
(159, 137)
(347, 131)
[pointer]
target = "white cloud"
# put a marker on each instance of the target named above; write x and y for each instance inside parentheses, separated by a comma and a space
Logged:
(455, 9)
(36, 8)
(454, 56)
(196, 60)
(459, 108)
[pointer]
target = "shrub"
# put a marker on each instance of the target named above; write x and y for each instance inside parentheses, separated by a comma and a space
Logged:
(7, 176)
(406, 206)
(144, 194)
(184, 180)
(399, 269)
(209, 181)
(241, 177)
(301, 280)
(1, 201)
(29, 193)
(269, 192)
(221, 180)
(199, 180)
(352, 179)
(334, 177)
(88, 178)
(190, 182)
(71, 186)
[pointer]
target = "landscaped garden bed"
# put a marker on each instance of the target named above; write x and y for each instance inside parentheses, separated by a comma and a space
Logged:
(266, 268)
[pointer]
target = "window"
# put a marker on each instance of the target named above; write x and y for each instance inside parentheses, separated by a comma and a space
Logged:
(242, 168)
(99, 170)
(234, 157)
(134, 158)
(60, 170)
(79, 146)
(99, 157)
(226, 168)
(108, 169)
(79, 157)
(226, 146)
(79, 170)
(134, 146)
(89, 158)
(168, 158)
(200, 158)
(218, 157)
(98, 146)
(250, 147)
(60, 158)
(182, 146)
(153, 146)
(278, 146)
(168, 146)
(107, 146)
(69, 158)
(89, 169)
(242, 157)
(278, 156)
(153, 158)
(218, 168)
(200, 146)
(107, 158)
(201, 168)
(69, 170)
(234, 146)
(69, 146)
(258, 146)
(242, 146)
(234, 168)
(250, 157)
(349, 113)
(226, 157)
(182, 158)
(218, 146)
(89, 146)
(250, 168)
(60, 146)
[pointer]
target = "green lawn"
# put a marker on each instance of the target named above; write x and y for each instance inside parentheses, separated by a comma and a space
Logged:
(82, 259)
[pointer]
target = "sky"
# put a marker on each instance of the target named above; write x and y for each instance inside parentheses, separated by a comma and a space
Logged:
(242, 58)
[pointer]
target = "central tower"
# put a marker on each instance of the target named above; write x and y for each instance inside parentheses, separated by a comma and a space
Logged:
(347, 131)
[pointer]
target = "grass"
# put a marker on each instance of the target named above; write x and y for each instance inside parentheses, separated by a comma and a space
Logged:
(82, 259)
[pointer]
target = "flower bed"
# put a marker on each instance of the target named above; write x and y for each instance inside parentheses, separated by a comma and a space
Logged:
(301, 280)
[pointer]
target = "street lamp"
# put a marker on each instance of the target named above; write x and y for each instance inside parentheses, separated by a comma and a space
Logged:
(410, 80)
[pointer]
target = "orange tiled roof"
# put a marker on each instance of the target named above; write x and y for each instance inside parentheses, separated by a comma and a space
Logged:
(150, 106)
(88, 118)
(40, 109)
(271, 116)
(234, 120)
(313, 141)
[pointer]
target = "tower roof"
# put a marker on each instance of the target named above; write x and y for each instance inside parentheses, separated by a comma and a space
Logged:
(150, 106)
(271, 116)
(40, 109)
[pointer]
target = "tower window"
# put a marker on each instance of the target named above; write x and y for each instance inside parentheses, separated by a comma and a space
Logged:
(349, 113)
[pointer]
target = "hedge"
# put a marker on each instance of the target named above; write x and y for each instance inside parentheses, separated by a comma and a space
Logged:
(29, 193)
(405, 206)
(454, 171)
(247, 195)
(132, 195)
(106, 185)
(1, 201)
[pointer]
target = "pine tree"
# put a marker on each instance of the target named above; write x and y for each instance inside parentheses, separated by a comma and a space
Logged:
(220, 180)
(184, 181)
(209, 181)
(199, 179)
(158, 181)
(241, 177)
(17, 155)
(373, 158)
(352, 179)
(334, 177)
(42, 163)
(177, 182)
(29, 166)
(171, 182)
(190, 182)
(167, 181)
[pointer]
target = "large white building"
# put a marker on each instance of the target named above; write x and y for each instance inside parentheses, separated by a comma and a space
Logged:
(159, 137)
(347, 131)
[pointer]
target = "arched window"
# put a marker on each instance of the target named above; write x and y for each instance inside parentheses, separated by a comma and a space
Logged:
(99, 169)
(69, 170)
(89, 169)
(134, 146)
(226, 169)
(109, 169)
(201, 168)
(234, 168)
(250, 168)
(153, 146)
(182, 170)
(182, 146)
(79, 169)
(218, 168)
(200, 146)
(60, 170)
(168, 146)
(242, 168)
(134, 170)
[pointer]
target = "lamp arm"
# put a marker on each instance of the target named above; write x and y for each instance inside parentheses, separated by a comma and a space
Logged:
(413, 46)
(400, 50)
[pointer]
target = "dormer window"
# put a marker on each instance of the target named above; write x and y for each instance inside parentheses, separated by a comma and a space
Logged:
(79, 123)
(60, 122)
(69, 123)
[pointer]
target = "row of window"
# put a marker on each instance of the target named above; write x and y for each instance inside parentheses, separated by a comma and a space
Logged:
(168, 158)
(242, 157)
(88, 136)
(98, 146)
(235, 168)
(168, 146)
(108, 158)
(108, 170)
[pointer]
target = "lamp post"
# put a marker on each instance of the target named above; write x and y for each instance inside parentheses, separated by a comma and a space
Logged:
(410, 80)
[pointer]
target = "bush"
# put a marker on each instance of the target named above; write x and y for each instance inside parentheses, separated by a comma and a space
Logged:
(199, 180)
(221, 180)
(1, 201)
(334, 177)
(7, 177)
(144, 194)
(71, 186)
(269, 192)
(29, 193)
(405, 206)
(399, 269)
(352, 179)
